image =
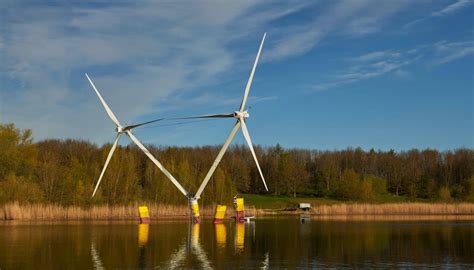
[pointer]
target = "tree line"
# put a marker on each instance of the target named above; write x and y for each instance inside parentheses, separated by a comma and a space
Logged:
(65, 171)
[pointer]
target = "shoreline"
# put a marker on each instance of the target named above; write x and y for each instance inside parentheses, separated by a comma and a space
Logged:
(339, 211)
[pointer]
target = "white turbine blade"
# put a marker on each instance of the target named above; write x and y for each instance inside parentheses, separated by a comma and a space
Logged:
(111, 152)
(249, 142)
(249, 82)
(107, 109)
(157, 163)
(218, 160)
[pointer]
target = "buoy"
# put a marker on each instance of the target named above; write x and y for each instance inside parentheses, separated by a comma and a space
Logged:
(195, 211)
(220, 213)
(144, 214)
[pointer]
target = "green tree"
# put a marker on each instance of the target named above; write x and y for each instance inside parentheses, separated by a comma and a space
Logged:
(378, 185)
(444, 194)
(348, 187)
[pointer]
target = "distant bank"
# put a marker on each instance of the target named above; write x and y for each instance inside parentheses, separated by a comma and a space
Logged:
(389, 211)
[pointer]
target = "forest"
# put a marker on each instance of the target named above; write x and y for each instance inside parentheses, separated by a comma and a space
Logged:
(64, 172)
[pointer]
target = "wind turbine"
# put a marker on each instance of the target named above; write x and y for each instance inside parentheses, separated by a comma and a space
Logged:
(128, 130)
(241, 115)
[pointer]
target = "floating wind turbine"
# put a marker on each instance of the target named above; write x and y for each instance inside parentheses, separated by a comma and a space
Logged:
(241, 115)
(128, 130)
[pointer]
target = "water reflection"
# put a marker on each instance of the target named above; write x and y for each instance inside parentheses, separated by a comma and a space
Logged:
(266, 243)
(143, 231)
(198, 250)
(239, 237)
(190, 247)
(266, 262)
(221, 235)
(95, 257)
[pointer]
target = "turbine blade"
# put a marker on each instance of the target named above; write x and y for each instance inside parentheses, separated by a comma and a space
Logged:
(249, 82)
(107, 109)
(111, 152)
(142, 124)
(157, 163)
(249, 142)
(218, 160)
(222, 115)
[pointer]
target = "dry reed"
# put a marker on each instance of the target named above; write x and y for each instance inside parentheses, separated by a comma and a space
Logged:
(385, 209)
(17, 211)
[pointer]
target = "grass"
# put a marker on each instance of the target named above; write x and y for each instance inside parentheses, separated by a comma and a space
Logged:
(281, 202)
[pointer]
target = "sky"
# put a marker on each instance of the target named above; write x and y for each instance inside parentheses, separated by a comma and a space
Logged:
(332, 74)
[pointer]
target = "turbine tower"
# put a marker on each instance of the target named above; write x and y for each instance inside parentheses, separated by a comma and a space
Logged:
(241, 115)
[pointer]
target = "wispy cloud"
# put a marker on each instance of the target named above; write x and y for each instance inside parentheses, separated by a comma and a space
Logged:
(445, 11)
(452, 8)
(147, 56)
(378, 63)
(341, 19)
(450, 51)
(371, 65)
(137, 53)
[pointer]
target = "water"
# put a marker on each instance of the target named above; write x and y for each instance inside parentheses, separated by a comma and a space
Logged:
(265, 243)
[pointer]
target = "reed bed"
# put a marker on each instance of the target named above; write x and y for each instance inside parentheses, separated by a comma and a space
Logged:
(392, 217)
(17, 211)
(385, 209)
(396, 209)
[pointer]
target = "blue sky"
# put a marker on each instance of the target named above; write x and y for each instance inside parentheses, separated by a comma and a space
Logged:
(332, 75)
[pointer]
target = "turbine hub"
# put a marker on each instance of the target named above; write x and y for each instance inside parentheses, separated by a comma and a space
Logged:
(119, 129)
(241, 115)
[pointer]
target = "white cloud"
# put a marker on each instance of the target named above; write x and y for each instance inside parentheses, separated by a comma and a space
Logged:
(149, 58)
(371, 65)
(378, 63)
(342, 19)
(372, 56)
(452, 8)
(445, 11)
(449, 51)
(139, 54)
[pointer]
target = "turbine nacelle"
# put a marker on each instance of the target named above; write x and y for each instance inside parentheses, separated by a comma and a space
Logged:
(241, 115)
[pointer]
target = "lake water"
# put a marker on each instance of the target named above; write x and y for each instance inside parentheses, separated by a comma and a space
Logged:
(265, 243)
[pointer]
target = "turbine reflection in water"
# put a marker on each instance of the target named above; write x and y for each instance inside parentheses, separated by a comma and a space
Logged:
(96, 257)
(190, 247)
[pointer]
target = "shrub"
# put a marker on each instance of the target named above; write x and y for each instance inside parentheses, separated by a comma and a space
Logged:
(470, 189)
(444, 194)
(378, 185)
(349, 186)
(366, 192)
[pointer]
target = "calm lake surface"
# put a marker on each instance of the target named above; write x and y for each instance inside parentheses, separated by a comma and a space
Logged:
(266, 243)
